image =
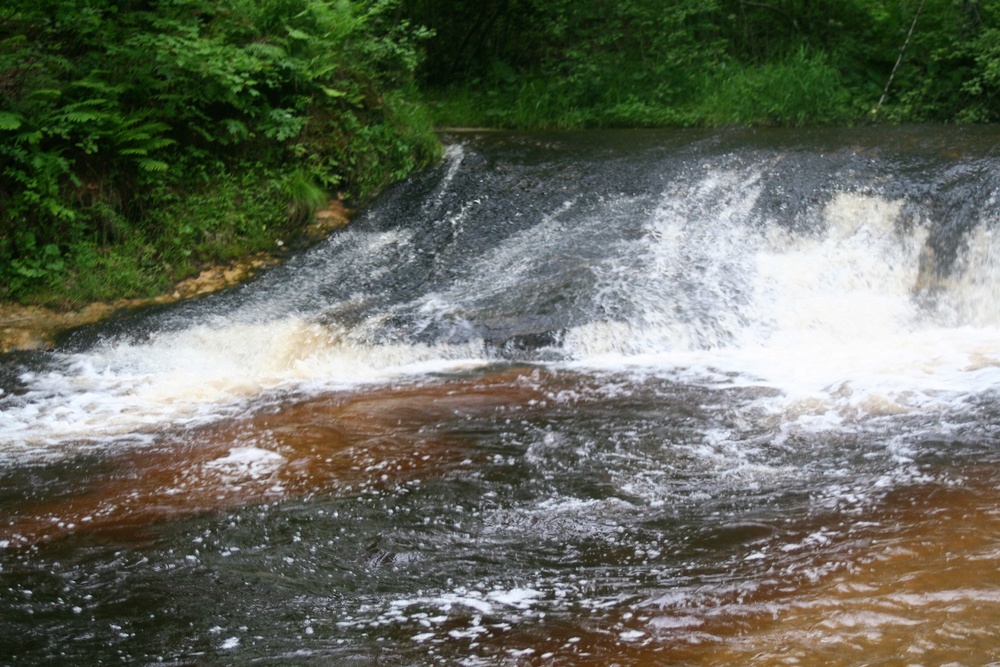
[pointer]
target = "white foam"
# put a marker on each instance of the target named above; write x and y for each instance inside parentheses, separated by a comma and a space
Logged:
(175, 377)
(521, 598)
(247, 463)
(973, 288)
(866, 620)
(830, 319)
(675, 622)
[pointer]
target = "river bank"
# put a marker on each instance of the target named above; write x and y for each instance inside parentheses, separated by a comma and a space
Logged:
(33, 327)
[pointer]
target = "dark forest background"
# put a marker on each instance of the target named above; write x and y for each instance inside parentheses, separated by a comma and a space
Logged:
(535, 63)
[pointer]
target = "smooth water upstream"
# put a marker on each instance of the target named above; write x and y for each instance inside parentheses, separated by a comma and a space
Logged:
(617, 398)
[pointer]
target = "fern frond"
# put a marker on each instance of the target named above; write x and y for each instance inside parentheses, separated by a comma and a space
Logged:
(82, 116)
(148, 164)
(10, 121)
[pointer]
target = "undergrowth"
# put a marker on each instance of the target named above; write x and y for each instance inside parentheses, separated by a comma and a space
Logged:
(140, 139)
(646, 63)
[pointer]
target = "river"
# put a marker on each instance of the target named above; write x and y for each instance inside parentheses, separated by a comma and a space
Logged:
(597, 398)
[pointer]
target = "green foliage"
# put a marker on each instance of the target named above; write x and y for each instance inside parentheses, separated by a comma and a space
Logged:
(983, 88)
(303, 195)
(581, 63)
(114, 113)
(801, 89)
(952, 72)
(566, 63)
(106, 273)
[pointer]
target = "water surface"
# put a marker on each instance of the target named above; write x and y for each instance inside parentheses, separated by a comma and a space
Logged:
(626, 398)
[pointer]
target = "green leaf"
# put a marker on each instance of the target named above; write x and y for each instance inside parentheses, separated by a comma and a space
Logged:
(10, 121)
(31, 138)
(47, 94)
(82, 116)
(332, 92)
(149, 164)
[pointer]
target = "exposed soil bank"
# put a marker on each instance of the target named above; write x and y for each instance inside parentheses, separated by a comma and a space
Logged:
(36, 327)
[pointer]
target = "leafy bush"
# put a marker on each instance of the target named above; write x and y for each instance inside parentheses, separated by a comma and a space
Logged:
(113, 113)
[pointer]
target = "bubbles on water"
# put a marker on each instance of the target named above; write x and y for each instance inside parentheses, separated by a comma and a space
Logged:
(251, 463)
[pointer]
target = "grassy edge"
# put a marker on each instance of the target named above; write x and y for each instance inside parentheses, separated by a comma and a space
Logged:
(25, 327)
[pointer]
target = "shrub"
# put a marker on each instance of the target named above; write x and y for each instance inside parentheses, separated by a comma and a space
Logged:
(113, 114)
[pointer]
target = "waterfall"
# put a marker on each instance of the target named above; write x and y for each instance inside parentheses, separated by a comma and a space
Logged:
(823, 273)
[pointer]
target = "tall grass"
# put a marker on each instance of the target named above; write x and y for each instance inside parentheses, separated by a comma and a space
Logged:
(802, 88)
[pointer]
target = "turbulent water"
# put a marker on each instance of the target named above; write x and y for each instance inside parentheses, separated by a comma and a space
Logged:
(617, 398)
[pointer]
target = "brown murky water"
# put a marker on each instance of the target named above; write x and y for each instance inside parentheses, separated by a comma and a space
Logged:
(339, 443)
(910, 578)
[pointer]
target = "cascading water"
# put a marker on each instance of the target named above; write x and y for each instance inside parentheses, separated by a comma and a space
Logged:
(599, 398)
